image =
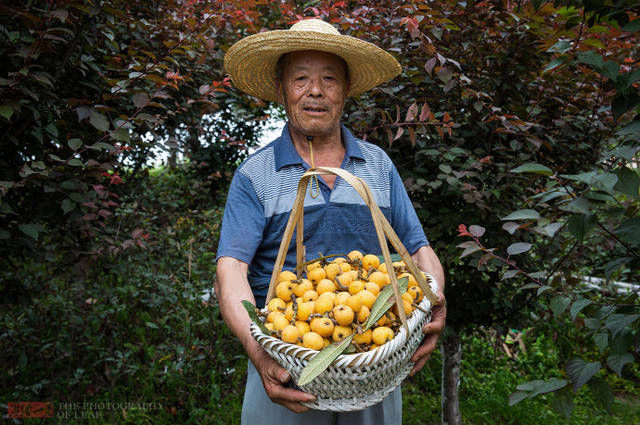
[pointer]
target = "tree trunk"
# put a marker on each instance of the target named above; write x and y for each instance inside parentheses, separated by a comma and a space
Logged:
(452, 355)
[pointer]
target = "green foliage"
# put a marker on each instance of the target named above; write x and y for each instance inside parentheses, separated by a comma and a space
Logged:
(489, 375)
(137, 329)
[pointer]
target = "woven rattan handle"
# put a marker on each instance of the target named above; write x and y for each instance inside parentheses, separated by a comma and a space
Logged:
(382, 226)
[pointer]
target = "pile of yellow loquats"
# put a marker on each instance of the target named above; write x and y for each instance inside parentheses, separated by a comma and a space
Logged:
(334, 300)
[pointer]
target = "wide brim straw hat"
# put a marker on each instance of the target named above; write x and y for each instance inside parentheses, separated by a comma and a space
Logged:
(251, 62)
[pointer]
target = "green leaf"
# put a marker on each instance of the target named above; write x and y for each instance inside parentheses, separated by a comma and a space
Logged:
(4, 234)
(32, 230)
(102, 145)
(581, 371)
(68, 205)
(605, 182)
(522, 215)
(321, 361)
(602, 341)
(579, 225)
(629, 129)
(140, 99)
(99, 121)
(582, 177)
(601, 392)
(75, 162)
(509, 274)
(6, 111)
(559, 304)
(517, 397)
(382, 303)
(555, 63)
(152, 325)
(518, 248)
(533, 168)
(469, 248)
(632, 26)
(578, 305)
(561, 46)
(591, 58)
(617, 322)
(251, 310)
(628, 182)
(74, 144)
(579, 205)
(542, 290)
(121, 134)
(618, 361)
(562, 402)
(629, 230)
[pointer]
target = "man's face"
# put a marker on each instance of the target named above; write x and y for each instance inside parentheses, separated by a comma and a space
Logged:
(313, 90)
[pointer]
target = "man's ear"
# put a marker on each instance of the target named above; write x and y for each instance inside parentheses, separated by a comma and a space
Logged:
(279, 91)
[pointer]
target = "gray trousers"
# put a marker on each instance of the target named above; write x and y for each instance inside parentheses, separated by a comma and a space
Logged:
(258, 409)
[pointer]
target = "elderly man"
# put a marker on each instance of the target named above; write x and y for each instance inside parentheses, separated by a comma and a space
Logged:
(311, 69)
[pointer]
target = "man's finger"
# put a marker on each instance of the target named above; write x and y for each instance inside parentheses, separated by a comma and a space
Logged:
(419, 365)
(427, 347)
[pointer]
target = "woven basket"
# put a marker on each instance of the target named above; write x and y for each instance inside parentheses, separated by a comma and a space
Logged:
(353, 381)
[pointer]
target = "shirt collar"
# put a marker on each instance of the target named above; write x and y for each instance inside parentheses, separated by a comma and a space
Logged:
(286, 154)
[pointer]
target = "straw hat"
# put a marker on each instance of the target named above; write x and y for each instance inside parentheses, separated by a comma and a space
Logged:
(252, 60)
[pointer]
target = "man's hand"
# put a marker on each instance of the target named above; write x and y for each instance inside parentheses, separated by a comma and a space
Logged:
(432, 330)
(274, 378)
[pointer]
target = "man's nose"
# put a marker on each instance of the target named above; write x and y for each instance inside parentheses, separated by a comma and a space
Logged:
(315, 88)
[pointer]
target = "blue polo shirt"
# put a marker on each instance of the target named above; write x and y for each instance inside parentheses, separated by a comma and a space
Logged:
(337, 221)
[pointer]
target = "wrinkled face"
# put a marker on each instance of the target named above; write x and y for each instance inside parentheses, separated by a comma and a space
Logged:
(313, 90)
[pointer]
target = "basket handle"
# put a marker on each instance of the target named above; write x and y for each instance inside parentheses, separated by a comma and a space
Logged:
(382, 227)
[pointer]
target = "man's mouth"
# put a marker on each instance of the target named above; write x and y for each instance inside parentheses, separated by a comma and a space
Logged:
(316, 109)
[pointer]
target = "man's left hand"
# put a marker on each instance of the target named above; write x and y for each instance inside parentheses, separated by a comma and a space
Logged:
(432, 331)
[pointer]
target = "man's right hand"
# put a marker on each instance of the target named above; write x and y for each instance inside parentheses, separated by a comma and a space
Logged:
(274, 378)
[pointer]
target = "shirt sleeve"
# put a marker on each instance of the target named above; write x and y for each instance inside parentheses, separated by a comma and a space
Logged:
(404, 219)
(243, 221)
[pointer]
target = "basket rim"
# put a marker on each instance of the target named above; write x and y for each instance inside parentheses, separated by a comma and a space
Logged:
(367, 357)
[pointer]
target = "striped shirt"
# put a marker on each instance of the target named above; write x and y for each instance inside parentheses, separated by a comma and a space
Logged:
(337, 221)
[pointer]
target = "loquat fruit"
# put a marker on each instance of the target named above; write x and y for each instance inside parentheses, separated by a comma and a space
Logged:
(323, 326)
(354, 302)
(310, 295)
(276, 304)
(271, 317)
(363, 314)
(313, 341)
(323, 305)
(303, 286)
(303, 327)
(290, 334)
(316, 275)
(416, 293)
(343, 314)
(381, 335)
(355, 255)
(363, 338)
(325, 285)
(284, 290)
(341, 332)
(332, 270)
(370, 261)
(280, 322)
(372, 287)
(356, 286)
(305, 310)
(286, 275)
(367, 297)
(341, 297)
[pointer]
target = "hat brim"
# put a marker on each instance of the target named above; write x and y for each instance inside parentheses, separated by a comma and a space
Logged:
(251, 62)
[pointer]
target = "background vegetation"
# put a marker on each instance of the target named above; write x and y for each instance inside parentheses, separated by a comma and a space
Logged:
(522, 117)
